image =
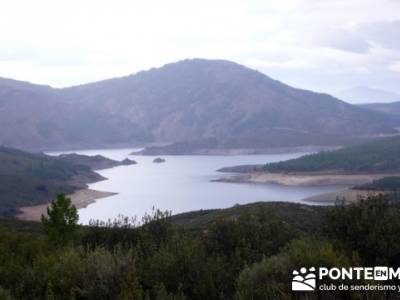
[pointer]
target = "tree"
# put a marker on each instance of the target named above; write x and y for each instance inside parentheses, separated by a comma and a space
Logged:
(61, 222)
(270, 278)
(4, 295)
(370, 227)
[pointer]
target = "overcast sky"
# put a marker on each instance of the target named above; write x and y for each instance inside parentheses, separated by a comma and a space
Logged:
(323, 45)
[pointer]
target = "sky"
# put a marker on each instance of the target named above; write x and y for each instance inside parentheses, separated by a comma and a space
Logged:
(322, 45)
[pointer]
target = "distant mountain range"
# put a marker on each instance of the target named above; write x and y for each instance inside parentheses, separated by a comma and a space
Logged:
(363, 94)
(192, 100)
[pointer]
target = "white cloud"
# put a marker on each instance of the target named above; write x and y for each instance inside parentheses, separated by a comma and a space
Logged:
(342, 39)
(319, 44)
(384, 33)
(395, 67)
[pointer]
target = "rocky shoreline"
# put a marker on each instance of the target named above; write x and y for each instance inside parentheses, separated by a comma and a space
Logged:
(188, 149)
(350, 180)
(304, 179)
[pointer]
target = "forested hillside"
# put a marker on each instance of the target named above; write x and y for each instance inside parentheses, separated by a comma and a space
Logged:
(30, 179)
(245, 252)
(380, 155)
(390, 183)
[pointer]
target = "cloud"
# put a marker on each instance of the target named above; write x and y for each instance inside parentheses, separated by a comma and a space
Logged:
(288, 64)
(44, 56)
(384, 33)
(342, 39)
(318, 44)
(395, 67)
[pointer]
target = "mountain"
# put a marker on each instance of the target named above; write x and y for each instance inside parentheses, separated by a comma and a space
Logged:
(392, 109)
(27, 114)
(189, 101)
(363, 94)
(35, 117)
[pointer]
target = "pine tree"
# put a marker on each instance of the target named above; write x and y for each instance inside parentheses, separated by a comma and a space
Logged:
(61, 222)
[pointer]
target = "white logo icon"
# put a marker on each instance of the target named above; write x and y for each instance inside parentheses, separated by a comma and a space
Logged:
(303, 280)
(381, 273)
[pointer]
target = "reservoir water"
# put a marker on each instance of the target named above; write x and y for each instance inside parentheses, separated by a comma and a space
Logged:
(182, 183)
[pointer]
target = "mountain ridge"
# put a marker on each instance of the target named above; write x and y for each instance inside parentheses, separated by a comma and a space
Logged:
(189, 100)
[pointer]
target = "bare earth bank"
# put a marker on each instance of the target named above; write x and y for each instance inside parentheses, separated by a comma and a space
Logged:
(314, 179)
(351, 196)
(80, 199)
(303, 179)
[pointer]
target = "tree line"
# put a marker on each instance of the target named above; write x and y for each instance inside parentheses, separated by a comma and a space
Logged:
(240, 256)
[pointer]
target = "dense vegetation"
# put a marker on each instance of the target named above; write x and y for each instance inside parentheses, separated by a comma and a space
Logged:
(390, 183)
(380, 155)
(29, 179)
(246, 252)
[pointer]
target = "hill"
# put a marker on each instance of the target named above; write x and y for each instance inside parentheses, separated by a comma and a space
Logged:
(303, 217)
(380, 155)
(31, 179)
(391, 184)
(208, 103)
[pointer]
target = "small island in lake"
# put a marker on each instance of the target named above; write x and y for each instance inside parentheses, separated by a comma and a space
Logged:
(159, 160)
(127, 162)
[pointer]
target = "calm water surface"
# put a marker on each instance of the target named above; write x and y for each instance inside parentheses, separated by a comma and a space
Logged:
(182, 183)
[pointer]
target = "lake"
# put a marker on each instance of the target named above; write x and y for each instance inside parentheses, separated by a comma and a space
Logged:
(182, 183)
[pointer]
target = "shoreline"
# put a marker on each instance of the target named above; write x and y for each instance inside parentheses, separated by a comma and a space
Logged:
(302, 179)
(350, 196)
(159, 151)
(80, 198)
